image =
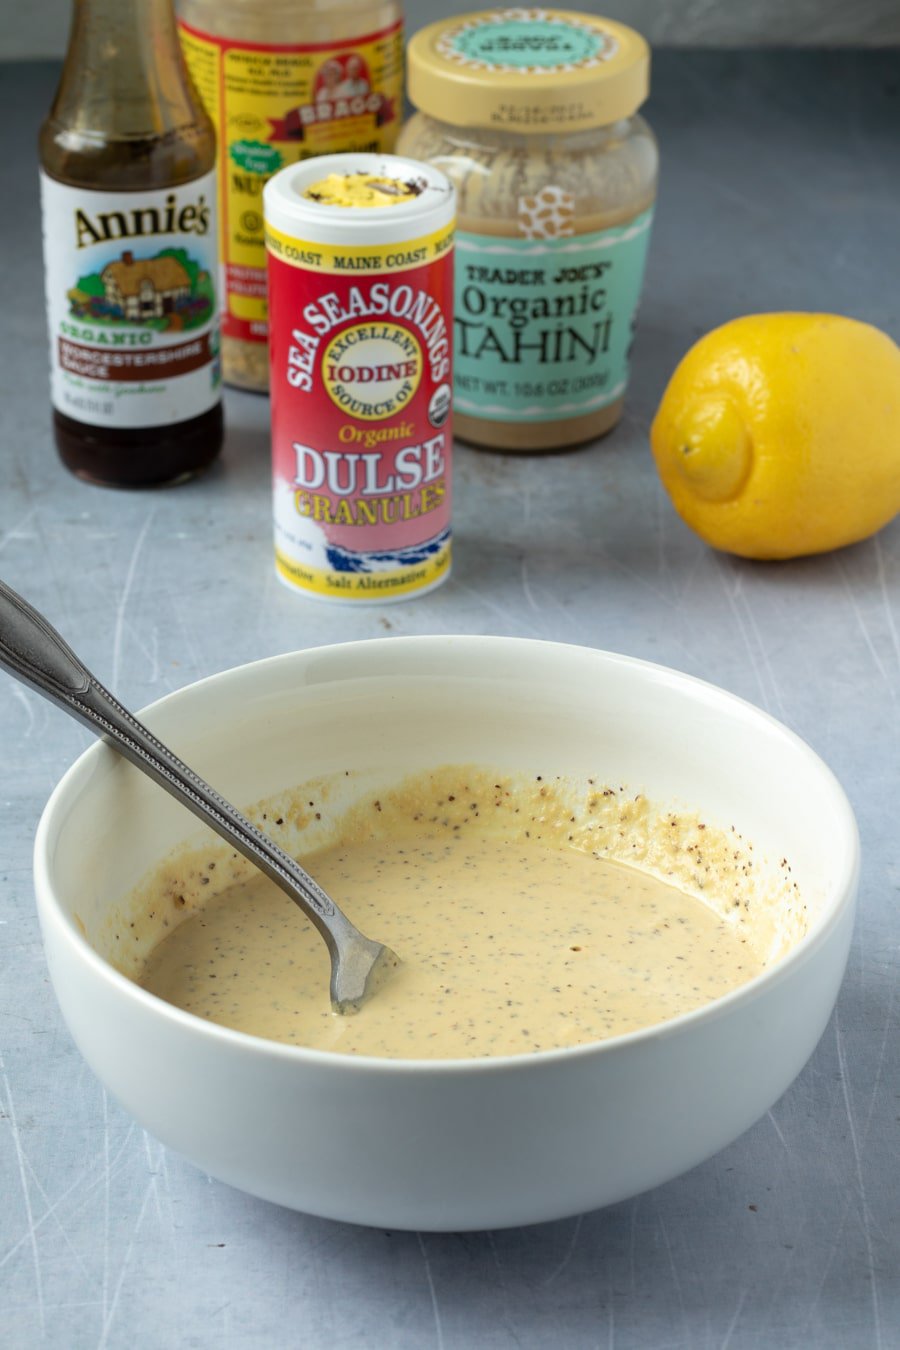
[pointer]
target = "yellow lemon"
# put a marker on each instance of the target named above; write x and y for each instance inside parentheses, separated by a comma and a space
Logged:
(779, 434)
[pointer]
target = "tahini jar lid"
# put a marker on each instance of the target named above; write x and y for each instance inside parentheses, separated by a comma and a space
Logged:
(528, 70)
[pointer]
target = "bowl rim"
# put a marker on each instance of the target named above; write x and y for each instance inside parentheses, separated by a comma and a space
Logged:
(840, 899)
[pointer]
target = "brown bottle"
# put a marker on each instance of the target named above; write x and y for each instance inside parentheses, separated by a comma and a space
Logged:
(131, 252)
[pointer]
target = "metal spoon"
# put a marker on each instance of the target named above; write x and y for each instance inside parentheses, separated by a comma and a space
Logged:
(33, 651)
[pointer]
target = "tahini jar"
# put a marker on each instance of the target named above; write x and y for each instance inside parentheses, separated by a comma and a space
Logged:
(284, 80)
(532, 113)
(361, 335)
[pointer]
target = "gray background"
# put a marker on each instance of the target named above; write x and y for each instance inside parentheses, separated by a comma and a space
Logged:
(39, 29)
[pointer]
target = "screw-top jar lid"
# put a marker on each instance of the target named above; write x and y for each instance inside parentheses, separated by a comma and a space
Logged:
(528, 70)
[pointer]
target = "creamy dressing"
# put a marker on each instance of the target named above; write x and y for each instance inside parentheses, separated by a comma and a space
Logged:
(508, 946)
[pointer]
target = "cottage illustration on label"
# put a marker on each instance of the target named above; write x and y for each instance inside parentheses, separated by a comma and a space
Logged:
(132, 302)
(168, 291)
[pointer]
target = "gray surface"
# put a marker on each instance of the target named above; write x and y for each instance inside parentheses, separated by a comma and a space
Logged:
(776, 194)
(41, 28)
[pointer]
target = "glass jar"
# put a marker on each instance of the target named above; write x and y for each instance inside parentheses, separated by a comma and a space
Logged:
(534, 119)
(284, 80)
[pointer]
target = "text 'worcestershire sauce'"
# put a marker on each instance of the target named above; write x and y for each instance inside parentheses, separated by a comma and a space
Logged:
(130, 252)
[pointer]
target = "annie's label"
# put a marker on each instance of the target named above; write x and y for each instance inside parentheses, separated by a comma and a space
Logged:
(360, 346)
(131, 302)
(544, 325)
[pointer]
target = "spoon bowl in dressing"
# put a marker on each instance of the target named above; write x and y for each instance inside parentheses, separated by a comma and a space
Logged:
(33, 651)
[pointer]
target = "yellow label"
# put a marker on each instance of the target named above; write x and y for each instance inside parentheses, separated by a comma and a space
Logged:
(272, 106)
(372, 370)
(362, 258)
(375, 586)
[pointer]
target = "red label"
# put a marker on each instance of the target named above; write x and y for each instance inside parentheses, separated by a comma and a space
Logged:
(361, 393)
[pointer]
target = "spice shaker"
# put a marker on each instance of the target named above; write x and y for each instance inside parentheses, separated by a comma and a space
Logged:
(361, 290)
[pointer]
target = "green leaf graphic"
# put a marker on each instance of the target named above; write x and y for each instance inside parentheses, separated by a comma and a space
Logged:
(256, 157)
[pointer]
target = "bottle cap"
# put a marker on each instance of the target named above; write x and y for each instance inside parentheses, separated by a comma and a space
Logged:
(528, 70)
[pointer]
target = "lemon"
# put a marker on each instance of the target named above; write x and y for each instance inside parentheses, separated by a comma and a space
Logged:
(779, 434)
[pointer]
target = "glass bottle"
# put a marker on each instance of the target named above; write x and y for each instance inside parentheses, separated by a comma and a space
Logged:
(128, 189)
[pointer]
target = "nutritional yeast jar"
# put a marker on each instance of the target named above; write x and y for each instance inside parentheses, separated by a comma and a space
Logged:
(284, 80)
(532, 113)
(360, 340)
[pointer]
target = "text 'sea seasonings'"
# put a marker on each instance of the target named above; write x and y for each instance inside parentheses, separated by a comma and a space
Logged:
(360, 307)
(532, 114)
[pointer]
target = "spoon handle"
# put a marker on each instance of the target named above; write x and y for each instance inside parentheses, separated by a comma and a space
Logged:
(33, 651)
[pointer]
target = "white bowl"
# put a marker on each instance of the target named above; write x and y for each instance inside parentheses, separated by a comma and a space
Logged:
(466, 1144)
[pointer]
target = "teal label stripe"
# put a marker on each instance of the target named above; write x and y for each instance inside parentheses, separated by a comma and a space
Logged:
(528, 43)
(544, 326)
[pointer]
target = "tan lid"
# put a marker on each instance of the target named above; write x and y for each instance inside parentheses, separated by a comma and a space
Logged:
(528, 70)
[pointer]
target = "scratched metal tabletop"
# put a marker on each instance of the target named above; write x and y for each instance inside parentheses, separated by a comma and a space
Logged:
(780, 189)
